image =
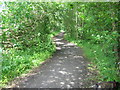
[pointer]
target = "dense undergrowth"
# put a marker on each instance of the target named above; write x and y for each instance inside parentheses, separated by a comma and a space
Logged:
(27, 28)
(27, 31)
(96, 30)
(18, 62)
(105, 64)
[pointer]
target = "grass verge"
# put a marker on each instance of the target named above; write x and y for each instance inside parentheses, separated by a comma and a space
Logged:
(105, 62)
(17, 62)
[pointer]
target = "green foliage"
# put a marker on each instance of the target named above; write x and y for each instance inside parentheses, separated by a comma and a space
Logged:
(27, 24)
(19, 33)
(27, 28)
(26, 36)
(97, 30)
(105, 63)
(17, 62)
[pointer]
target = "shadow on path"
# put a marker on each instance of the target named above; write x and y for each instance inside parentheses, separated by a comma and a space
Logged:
(66, 69)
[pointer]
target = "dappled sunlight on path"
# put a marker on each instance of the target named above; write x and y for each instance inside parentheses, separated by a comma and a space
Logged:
(66, 69)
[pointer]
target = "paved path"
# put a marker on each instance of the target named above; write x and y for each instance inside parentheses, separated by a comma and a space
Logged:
(66, 69)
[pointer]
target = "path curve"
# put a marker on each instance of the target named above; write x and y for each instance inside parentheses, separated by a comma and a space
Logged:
(66, 69)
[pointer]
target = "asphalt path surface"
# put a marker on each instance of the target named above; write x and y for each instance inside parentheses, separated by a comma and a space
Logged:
(66, 69)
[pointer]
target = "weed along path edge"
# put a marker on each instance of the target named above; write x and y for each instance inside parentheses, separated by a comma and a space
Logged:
(66, 69)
